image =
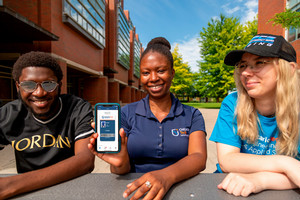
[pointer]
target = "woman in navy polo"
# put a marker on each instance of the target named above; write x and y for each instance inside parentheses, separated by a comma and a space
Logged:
(160, 137)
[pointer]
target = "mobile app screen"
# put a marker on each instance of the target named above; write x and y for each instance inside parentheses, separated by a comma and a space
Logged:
(107, 128)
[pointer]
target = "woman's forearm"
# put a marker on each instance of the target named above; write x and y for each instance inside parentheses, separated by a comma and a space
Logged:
(275, 181)
(125, 168)
(187, 167)
(250, 163)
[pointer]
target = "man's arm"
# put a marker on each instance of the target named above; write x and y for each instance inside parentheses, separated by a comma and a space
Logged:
(81, 163)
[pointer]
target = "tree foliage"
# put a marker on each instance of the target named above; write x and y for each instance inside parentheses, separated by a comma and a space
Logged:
(182, 84)
(216, 40)
(287, 19)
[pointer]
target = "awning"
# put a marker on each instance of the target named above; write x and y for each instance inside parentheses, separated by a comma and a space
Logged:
(16, 28)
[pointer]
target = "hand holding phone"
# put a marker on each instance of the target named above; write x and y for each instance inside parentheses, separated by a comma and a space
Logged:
(107, 119)
(119, 162)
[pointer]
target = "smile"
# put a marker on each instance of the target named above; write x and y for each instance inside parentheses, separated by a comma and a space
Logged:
(40, 103)
(155, 86)
(249, 84)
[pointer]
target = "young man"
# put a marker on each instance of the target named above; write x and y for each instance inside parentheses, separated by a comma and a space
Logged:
(48, 131)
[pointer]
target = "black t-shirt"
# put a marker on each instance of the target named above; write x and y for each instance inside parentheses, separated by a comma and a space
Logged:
(39, 144)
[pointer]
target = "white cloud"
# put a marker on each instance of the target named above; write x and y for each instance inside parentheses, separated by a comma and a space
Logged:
(252, 4)
(229, 10)
(190, 51)
(216, 17)
(251, 7)
(233, 10)
(251, 14)
(247, 10)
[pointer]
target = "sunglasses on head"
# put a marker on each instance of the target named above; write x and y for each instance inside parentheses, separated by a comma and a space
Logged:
(31, 86)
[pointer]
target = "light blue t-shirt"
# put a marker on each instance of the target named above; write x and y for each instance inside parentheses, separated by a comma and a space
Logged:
(226, 127)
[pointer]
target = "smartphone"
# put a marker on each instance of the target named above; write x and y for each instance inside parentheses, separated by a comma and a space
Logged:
(107, 119)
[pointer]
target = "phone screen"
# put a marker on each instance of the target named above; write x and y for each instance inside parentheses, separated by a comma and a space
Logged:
(107, 126)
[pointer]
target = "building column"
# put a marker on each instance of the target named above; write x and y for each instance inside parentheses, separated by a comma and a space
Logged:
(63, 66)
(96, 90)
(125, 94)
(133, 95)
(113, 92)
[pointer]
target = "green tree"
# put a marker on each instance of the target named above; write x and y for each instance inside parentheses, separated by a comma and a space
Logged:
(182, 84)
(221, 36)
(287, 19)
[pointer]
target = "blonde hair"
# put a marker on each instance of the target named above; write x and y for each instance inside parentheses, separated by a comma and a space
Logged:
(287, 103)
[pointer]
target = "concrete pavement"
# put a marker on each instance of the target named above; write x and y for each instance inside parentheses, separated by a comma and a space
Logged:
(7, 159)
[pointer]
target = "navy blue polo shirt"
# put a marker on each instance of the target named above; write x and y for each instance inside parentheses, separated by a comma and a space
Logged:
(153, 145)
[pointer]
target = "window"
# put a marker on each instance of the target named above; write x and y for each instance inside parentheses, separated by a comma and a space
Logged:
(88, 17)
(137, 56)
(292, 3)
(294, 33)
(8, 91)
(124, 27)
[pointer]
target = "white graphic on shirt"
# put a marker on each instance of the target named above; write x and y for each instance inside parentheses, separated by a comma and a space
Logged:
(263, 146)
(180, 131)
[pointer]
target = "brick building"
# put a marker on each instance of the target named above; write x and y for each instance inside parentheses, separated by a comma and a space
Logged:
(94, 41)
(267, 9)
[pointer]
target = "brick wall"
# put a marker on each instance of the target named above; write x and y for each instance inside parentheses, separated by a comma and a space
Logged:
(266, 10)
(73, 49)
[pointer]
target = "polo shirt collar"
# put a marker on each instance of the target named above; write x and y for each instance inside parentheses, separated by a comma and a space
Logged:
(143, 108)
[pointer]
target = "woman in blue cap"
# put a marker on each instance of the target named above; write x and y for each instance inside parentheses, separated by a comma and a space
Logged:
(257, 130)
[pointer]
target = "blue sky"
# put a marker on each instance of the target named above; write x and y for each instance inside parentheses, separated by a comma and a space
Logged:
(180, 21)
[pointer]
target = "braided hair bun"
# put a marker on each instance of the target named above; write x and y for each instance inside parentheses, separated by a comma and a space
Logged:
(159, 41)
(159, 45)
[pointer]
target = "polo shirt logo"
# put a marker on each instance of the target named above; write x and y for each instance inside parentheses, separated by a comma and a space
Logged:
(180, 131)
(175, 132)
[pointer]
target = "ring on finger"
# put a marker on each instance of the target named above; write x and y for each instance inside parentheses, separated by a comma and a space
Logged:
(148, 184)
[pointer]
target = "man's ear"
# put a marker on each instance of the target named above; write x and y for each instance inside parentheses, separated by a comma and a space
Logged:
(17, 86)
(60, 84)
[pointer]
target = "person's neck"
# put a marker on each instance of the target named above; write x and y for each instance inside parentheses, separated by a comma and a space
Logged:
(160, 107)
(265, 107)
(49, 116)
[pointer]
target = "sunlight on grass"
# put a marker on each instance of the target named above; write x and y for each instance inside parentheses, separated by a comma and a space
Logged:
(204, 105)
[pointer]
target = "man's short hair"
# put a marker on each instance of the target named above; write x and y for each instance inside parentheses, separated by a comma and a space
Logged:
(36, 59)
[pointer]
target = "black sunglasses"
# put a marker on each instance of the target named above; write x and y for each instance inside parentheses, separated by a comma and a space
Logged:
(31, 86)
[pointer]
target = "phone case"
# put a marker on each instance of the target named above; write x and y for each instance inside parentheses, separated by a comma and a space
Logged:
(119, 126)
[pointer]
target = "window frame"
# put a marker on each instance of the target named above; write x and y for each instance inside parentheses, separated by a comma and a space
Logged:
(293, 33)
(137, 57)
(124, 27)
(84, 17)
